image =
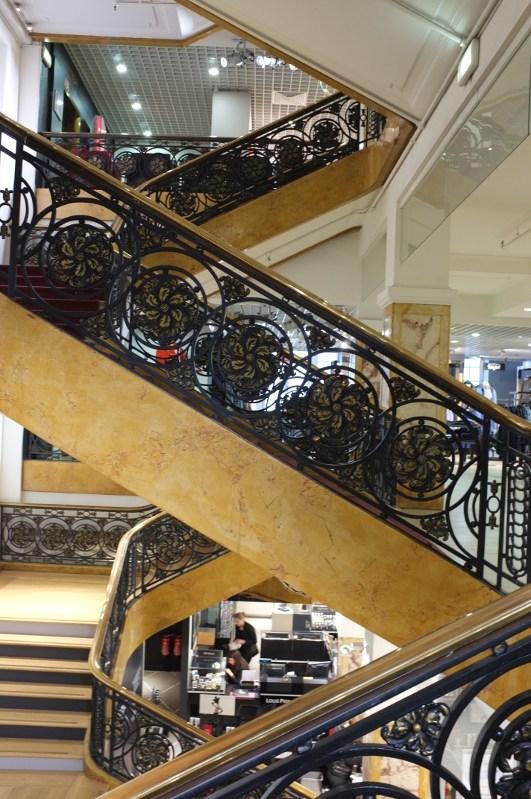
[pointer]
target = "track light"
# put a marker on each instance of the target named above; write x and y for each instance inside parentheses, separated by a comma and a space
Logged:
(238, 58)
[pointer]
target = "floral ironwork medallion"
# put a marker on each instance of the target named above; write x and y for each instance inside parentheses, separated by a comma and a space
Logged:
(418, 730)
(80, 256)
(421, 458)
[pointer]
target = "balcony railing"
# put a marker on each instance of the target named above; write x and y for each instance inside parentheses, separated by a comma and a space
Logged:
(271, 361)
(65, 536)
(135, 159)
(268, 158)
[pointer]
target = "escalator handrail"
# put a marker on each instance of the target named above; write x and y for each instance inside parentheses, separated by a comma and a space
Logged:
(283, 286)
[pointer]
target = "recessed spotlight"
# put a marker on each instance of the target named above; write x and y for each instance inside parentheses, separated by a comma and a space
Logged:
(454, 341)
(29, 27)
(121, 67)
(475, 335)
(147, 132)
(136, 105)
(18, 8)
(213, 71)
(527, 309)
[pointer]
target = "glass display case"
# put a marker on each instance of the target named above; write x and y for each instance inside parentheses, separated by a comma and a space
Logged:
(207, 670)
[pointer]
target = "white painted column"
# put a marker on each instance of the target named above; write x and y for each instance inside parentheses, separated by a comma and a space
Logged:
(11, 435)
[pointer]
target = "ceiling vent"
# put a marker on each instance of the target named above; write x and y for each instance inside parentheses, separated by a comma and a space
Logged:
(286, 99)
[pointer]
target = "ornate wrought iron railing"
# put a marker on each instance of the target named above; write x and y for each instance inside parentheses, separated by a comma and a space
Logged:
(272, 361)
(35, 448)
(129, 735)
(409, 707)
(135, 159)
(66, 536)
(268, 158)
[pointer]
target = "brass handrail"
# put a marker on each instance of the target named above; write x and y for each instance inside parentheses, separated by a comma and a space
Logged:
(285, 287)
(463, 639)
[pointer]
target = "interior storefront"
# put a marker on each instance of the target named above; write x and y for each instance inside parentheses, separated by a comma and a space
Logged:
(300, 647)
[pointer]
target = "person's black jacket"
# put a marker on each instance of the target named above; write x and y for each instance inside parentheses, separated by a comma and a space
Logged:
(247, 633)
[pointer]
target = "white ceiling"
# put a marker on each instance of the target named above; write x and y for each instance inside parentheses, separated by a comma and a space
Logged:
(175, 89)
(148, 19)
(394, 51)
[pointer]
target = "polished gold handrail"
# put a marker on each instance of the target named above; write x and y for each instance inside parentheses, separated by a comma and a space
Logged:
(285, 287)
(459, 637)
(99, 640)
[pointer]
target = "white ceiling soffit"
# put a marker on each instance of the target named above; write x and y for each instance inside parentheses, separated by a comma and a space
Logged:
(145, 19)
(174, 87)
(397, 52)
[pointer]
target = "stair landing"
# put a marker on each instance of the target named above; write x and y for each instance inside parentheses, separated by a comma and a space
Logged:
(31, 598)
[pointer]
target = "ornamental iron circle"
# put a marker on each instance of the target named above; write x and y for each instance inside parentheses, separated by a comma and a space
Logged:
(80, 255)
(250, 357)
(421, 456)
(165, 306)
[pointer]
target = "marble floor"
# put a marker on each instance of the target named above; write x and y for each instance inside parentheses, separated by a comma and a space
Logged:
(169, 685)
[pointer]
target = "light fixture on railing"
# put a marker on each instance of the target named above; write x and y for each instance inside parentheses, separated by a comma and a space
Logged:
(239, 57)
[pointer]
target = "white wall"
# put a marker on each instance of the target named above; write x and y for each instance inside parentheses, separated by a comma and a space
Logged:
(332, 270)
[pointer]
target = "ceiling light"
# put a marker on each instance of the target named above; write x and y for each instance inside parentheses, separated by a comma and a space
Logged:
(213, 71)
(147, 132)
(18, 8)
(527, 309)
(121, 67)
(136, 105)
(292, 67)
(475, 335)
(454, 341)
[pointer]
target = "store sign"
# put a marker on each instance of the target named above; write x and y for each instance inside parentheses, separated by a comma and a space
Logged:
(495, 366)
(276, 700)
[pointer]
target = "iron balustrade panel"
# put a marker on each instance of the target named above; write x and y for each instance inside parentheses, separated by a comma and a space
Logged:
(126, 739)
(135, 159)
(65, 535)
(268, 159)
(35, 448)
(309, 385)
(420, 721)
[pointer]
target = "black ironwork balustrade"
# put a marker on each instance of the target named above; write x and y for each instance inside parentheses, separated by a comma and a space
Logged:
(306, 381)
(129, 735)
(415, 707)
(66, 536)
(135, 159)
(268, 158)
(35, 448)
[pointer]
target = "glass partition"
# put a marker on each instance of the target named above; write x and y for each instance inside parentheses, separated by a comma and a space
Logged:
(494, 129)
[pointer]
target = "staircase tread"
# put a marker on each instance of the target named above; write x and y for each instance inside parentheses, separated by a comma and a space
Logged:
(37, 689)
(44, 718)
(41, 747)
(62, 641)
(44, 664)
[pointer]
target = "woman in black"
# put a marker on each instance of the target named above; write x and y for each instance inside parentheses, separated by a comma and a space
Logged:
(235, 665)
(246, 637)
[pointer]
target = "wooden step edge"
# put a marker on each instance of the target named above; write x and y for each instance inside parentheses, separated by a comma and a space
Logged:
(45, 690)
(44, 718)
(41, 747)
(41, 664)
(57, 641)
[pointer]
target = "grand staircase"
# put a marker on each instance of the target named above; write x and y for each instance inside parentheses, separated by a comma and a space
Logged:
(315, 473)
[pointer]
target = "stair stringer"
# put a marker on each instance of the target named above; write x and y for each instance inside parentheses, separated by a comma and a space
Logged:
(222, 485)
